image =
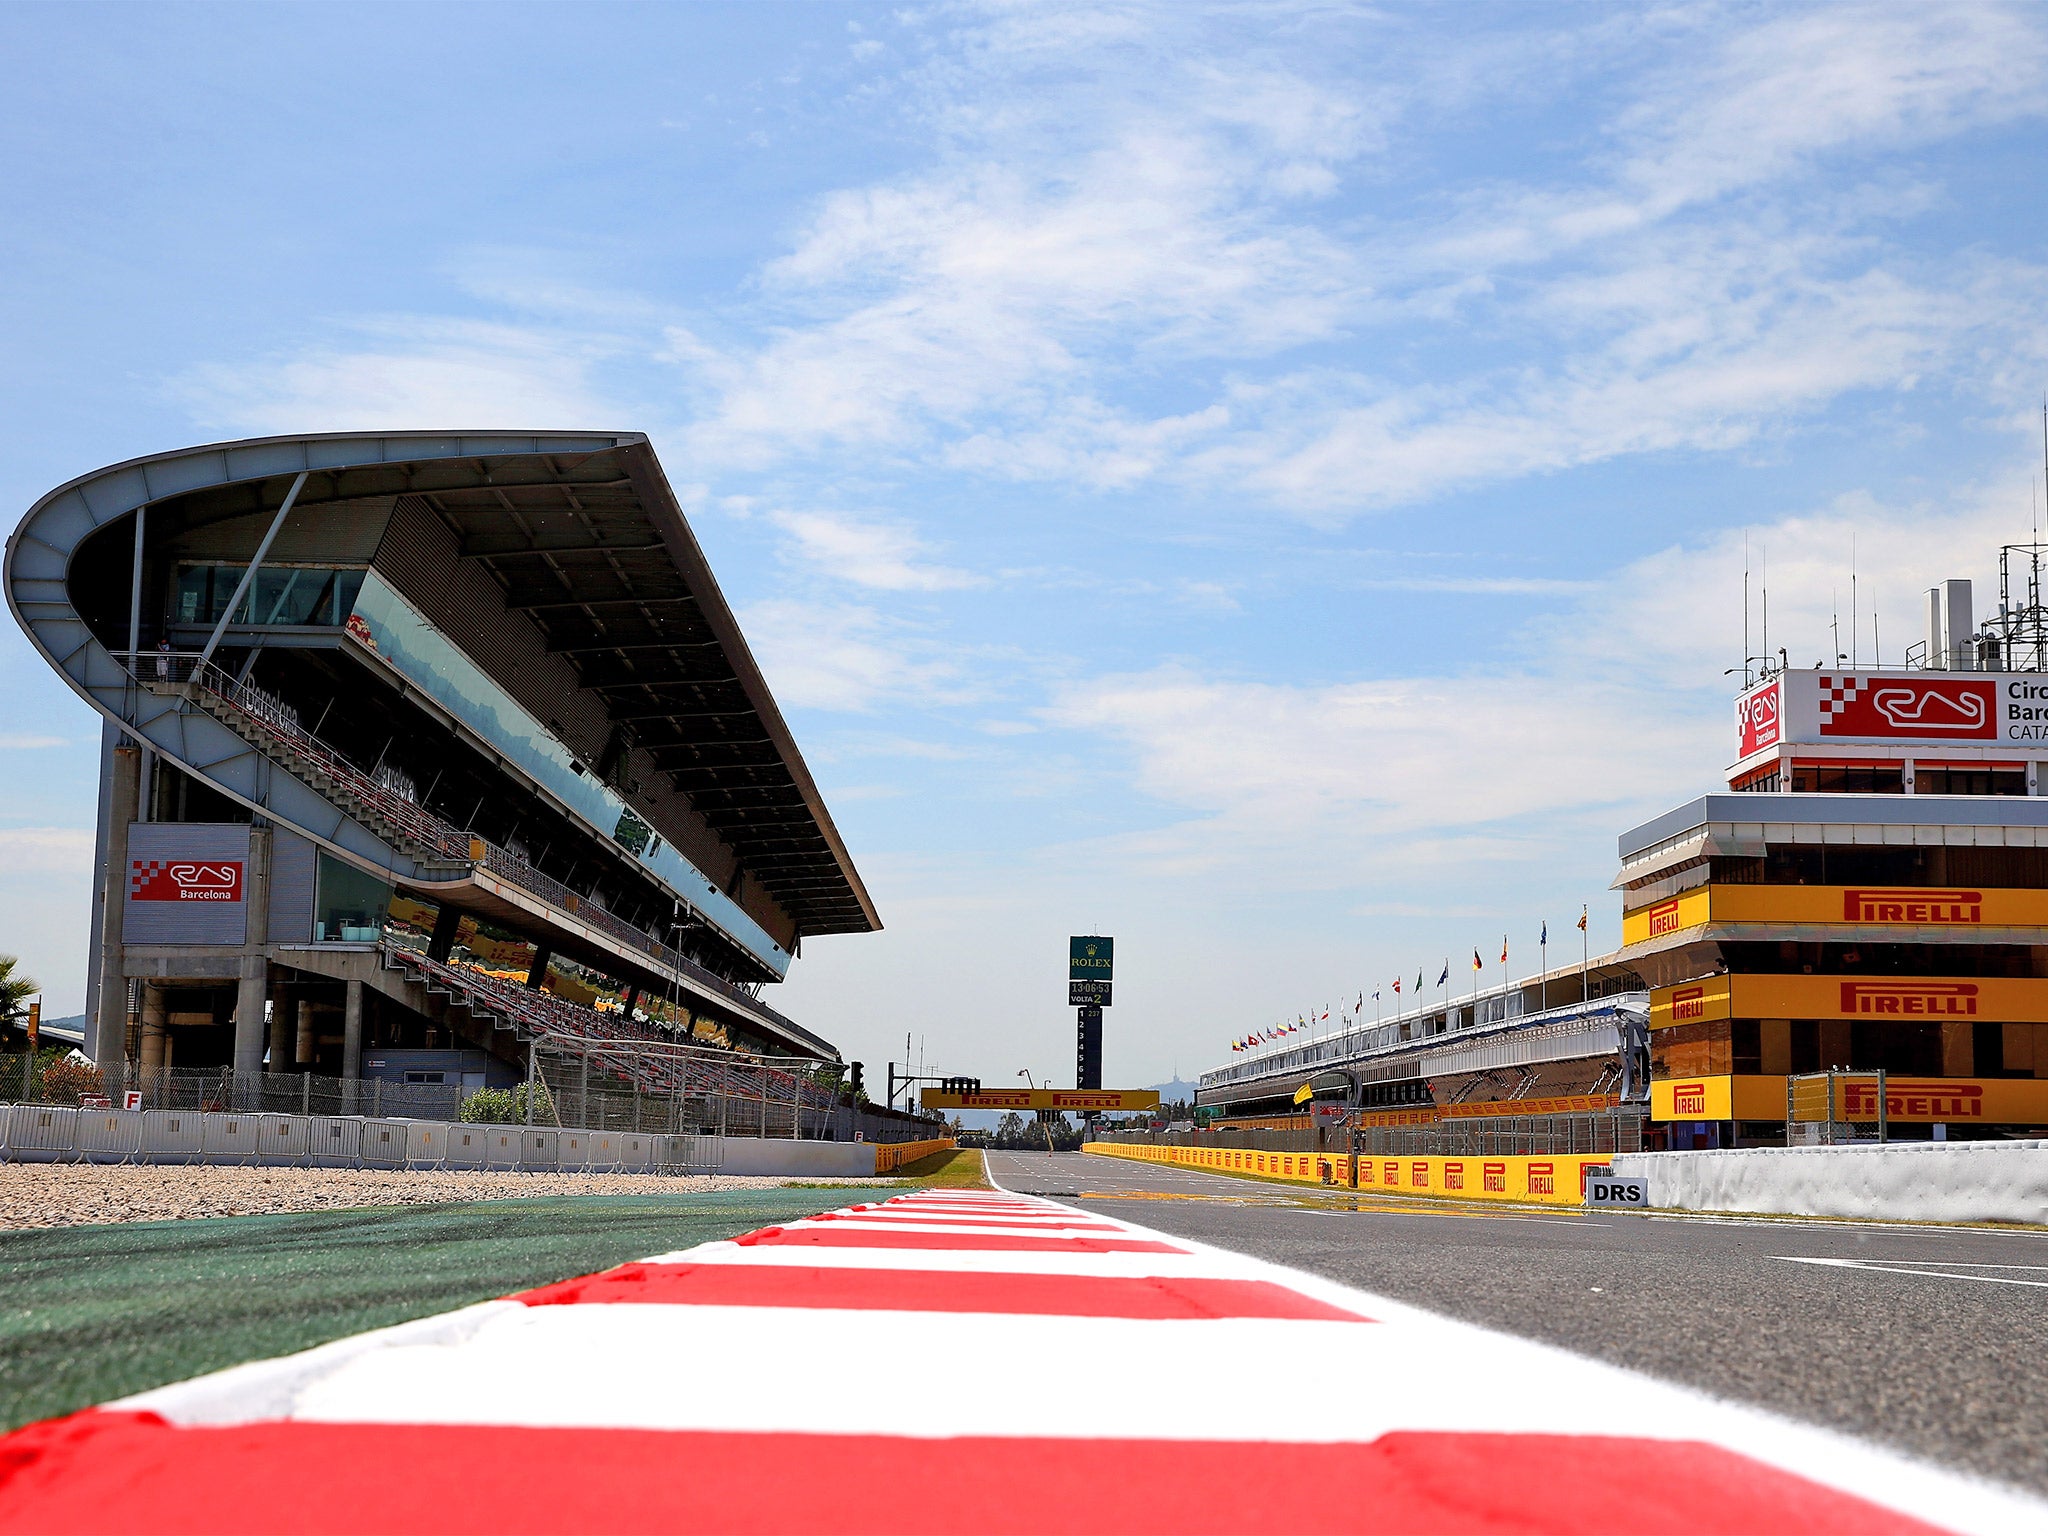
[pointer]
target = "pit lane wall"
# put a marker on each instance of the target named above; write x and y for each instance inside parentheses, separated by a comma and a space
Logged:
(2003, 1181)
(1551, 1180)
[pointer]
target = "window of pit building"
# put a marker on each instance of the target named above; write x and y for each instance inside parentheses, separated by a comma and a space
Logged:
(348, 905)
(1969, 781)
(1848, 779)
(291, 595)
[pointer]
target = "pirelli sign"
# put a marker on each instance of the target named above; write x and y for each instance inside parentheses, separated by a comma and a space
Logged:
(2002, 999)
(1921, 1100)
(1857, 906)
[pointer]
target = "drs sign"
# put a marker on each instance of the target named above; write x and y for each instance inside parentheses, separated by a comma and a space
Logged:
(1605, 1189)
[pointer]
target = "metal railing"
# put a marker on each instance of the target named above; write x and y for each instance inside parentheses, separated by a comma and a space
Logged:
(1620, 1130)
(457, 850)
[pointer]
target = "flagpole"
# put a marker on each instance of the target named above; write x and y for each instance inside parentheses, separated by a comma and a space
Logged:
(1585, 962)
(1543, 969)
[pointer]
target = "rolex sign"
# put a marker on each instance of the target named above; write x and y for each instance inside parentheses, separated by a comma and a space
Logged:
(1090, 958)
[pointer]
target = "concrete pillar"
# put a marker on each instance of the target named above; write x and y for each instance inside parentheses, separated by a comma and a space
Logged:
(254, 990)
(352, 1033)
(156, 1038)
(446, 921)
(302, 1056)
(110, 1013)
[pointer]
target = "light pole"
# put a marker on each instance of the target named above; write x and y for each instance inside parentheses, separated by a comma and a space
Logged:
(1043, 1123)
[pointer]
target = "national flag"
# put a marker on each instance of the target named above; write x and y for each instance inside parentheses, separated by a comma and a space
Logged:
(1326, 1012)
(1375, 996)
(1418, 981)
(1582, 919)
(1503, 949)
(1477, 963)
(1360, 1007)
(1444, 980)
(1397, 986)
(1544, 937)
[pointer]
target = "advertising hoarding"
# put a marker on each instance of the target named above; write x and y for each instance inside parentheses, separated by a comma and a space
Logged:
(1921, 1100)
(1862, 906)
(187, 883)
(2003, 999)
(1893, 708)
(1091, 957)
(1112, 1099)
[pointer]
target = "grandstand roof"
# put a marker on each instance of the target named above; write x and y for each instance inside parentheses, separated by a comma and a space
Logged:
(585, 537)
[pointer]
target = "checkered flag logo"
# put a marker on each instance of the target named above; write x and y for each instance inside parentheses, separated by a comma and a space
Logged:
(1837, 694)
(144, 873)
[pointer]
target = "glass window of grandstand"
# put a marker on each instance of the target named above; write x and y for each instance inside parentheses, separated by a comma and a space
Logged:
(281, 595)
(1928, 780)
(348, 905)
(1848, 779)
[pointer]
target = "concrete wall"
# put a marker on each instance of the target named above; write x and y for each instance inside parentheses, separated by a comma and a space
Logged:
(1914, 1181)
(798, 1159)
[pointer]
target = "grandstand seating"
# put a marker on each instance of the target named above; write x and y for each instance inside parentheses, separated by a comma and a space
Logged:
(649, 1057)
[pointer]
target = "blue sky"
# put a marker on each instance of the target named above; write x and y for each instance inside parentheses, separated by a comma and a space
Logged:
(1268, 482)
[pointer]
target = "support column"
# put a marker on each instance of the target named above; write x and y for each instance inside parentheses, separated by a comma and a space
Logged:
(302, 1054)
(281, 1032)
(255, 983)
(446, 921)
(110, 1014)
(537, 972)
(352, 1034)
(156, 1039)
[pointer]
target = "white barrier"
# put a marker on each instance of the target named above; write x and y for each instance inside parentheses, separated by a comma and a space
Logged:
(282, 1140)
(772, 1156)
(539, 1151)
(466, 1146)
(336, 1141)
(572, 1150)
(1903, 1181)
(501, 1148)
(383, 1144)
(173, 1135)
(108, 1135)
(426, 1144)
(59, 1133)
(41, 1133)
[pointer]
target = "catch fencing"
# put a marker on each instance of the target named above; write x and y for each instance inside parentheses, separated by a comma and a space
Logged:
(627, 1087)
(1619, 1130)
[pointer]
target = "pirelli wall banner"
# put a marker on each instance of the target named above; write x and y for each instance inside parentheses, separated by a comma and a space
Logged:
(1921, 1100)
(1864, 906)
(2006, 1000)
(1043, 1098)
(187, 883)
(2007, 709)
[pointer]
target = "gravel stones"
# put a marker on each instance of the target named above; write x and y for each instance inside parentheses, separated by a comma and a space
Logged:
(80, 1194)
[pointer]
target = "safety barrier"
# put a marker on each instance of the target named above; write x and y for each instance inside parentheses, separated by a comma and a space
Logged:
(1555, 1180)
(282, 1141)
(60, 1133)
(383, 1144)
(108, 1135)
(467, 1146)
(337, 1141)
(2002, 1181)
(41, 1133)
(893, 1155)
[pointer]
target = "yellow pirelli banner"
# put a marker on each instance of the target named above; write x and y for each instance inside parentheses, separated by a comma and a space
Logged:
(1925, 1100)
(1553, 1180)
(1854, 906)
(2005, 999)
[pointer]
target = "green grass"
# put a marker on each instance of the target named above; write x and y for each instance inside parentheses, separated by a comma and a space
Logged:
(955, 1168)
(91, 1313)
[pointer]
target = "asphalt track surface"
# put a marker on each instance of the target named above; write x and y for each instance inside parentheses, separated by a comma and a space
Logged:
(1928, 1339)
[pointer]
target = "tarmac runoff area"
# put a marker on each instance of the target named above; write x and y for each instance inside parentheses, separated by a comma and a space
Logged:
(1924, 1338)
(39, 1195)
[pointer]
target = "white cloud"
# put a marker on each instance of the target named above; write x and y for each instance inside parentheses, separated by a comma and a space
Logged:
(868, 554)
(845, 657)
(20, 742)
(415, 372)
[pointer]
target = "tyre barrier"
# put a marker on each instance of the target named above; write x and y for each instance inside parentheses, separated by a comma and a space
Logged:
(1557, 1179)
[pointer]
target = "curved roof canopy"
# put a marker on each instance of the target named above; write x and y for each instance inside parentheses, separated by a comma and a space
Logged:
(585, 537)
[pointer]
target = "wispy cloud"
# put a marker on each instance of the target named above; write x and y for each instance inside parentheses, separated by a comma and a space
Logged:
(884, 556)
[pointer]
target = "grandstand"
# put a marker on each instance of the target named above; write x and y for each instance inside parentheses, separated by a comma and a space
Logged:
(432, 757)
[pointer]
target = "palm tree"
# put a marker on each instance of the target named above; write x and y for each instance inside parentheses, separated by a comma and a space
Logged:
(15, 991)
